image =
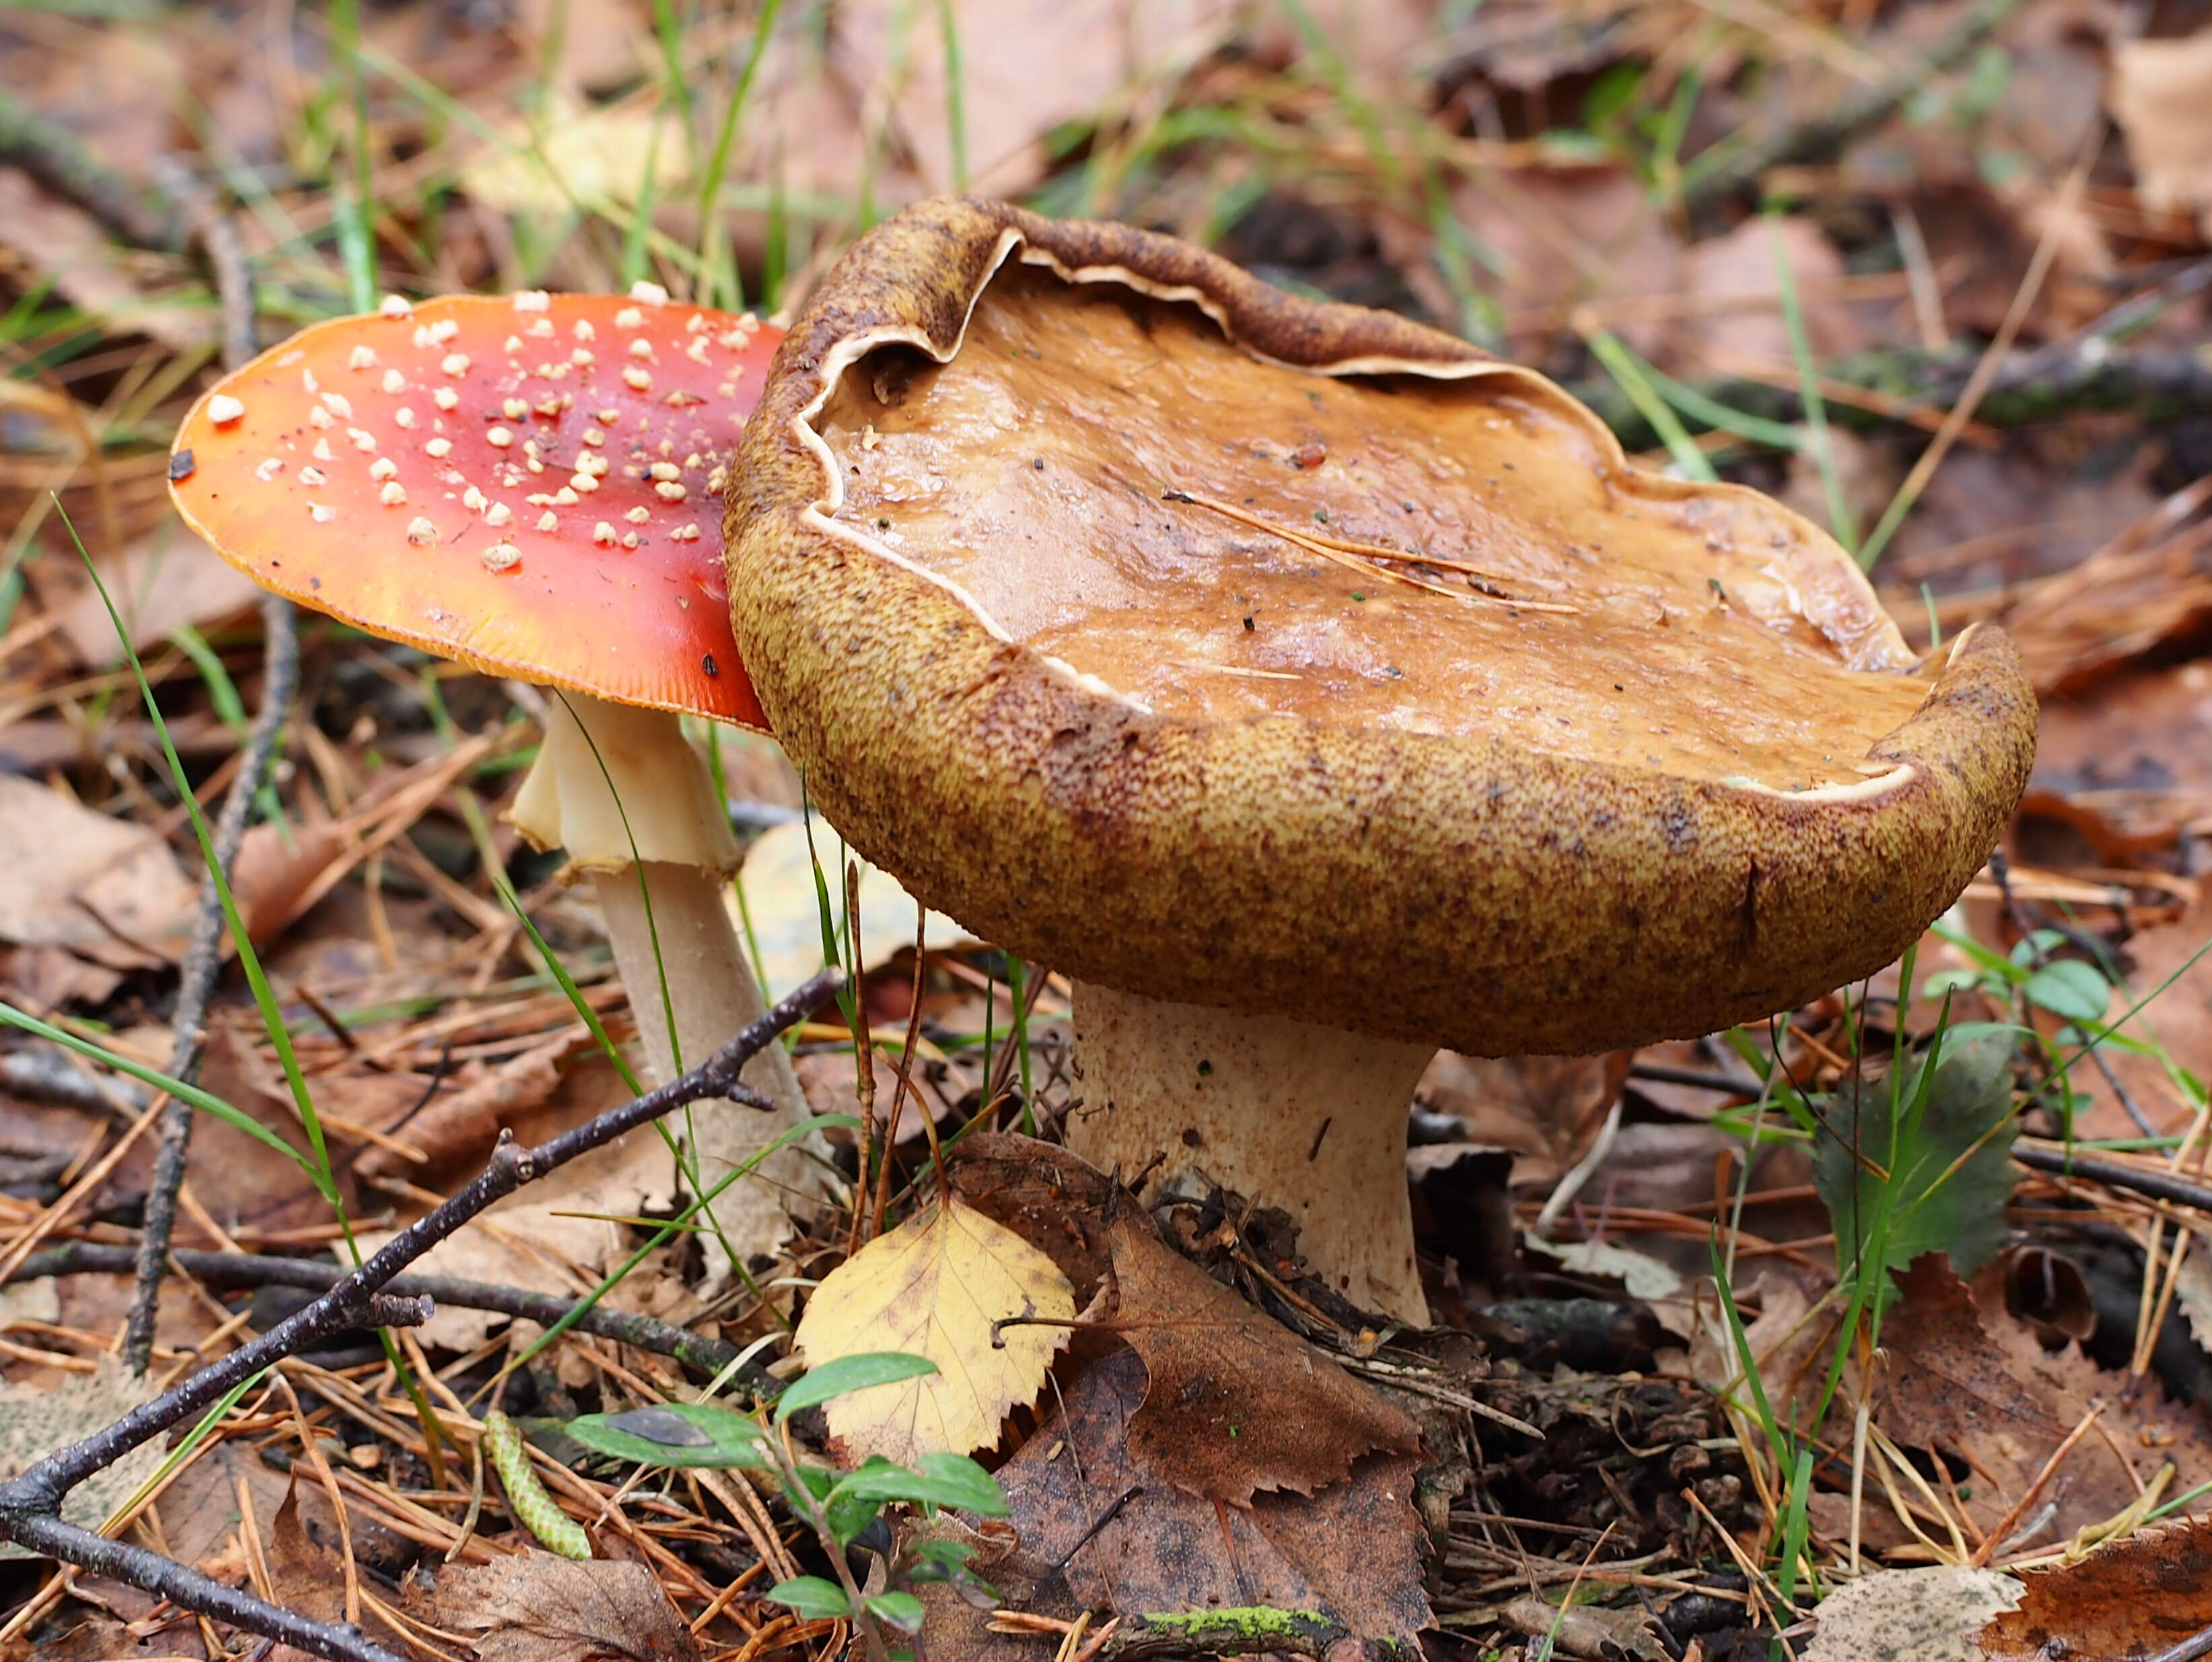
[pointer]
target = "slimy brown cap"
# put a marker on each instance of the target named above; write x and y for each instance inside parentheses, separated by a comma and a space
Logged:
(528, 484)
(1235, 649)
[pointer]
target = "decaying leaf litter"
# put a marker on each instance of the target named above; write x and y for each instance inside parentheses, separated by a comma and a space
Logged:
(1593, 1466)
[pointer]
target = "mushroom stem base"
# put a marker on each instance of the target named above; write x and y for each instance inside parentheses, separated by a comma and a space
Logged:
(1287, 1114)
(714, 994)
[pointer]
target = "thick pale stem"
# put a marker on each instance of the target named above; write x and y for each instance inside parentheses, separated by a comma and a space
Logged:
(1288, 1114)
(663, 820)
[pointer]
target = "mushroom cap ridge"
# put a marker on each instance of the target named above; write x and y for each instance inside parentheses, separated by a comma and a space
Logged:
(1470, 893)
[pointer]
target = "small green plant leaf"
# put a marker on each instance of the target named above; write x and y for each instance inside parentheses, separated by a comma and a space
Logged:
(952, 1480)
(812, 1596)
(941, 1561)
(2069, 987)
(857, 1372)
(814, 1484)
(848, 1515)
(901, 1610)
(676, 1433)
(952, 1564)
(1931, 1173)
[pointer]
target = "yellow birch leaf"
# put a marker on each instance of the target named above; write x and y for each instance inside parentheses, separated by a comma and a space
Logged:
(932, 1288)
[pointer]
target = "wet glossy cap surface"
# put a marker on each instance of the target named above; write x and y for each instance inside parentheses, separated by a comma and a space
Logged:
(986, 666)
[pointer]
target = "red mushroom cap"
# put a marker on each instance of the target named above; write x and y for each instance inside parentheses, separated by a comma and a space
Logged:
(528, 484)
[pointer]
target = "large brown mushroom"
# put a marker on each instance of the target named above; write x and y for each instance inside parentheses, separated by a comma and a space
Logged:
(527, 485)
(1317, 691)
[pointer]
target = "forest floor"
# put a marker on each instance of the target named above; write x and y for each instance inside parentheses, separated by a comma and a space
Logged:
(1933, 275)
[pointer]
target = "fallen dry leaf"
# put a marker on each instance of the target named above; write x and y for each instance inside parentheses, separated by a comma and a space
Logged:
(782, 912)
(1566, 237)
(577, 157)
(1048, 62)
(1909, 1615)
(1237, 1403)
(241, 1180)
(101, 887)
(1974, 1382)
(305, 1573)
(937, 1286)
(1546, 1109)
(36, 1419)
(1351, 1552)
(1735, 282)
(2137, 1597)
(464, 1121)
(1050, 1196)
(536, 1608)
(2161, 97)
(275, 871)
(163, 581)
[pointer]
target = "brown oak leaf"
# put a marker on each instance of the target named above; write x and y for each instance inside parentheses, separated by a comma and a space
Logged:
(1238, 1403)
(2138, 1597)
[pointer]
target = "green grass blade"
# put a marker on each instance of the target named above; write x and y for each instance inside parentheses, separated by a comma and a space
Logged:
(956, 93)
(249, 960)
(669, 28)
(1740, 1340)
(567, 983)
(1841, 519)
(1622, 365)
(1017, 983)
(350, 207)
(718, 162)
(206, 1101)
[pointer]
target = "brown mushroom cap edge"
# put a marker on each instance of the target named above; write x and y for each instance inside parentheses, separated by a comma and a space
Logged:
(1470, 893)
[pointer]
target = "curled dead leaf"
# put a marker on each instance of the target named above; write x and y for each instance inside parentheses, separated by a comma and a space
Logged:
(1238, 1403)
(536, 1608)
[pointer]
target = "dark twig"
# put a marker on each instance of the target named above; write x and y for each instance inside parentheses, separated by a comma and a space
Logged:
(2118, 1175)
(2094, 339)
(2197, 1645)
(1826, 133)
(29, 1504)
(189, 1590)
(244, 1270)
(203, 961)
(40, 1073)
(57, 159)
(219, 240)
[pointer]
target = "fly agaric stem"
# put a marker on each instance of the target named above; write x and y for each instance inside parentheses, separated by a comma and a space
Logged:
(710, 983)
(1287, 1114)
(631, 800)
(528, 485)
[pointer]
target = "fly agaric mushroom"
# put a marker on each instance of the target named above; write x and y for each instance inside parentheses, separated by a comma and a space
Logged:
(1316, 690)
(529, 485)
